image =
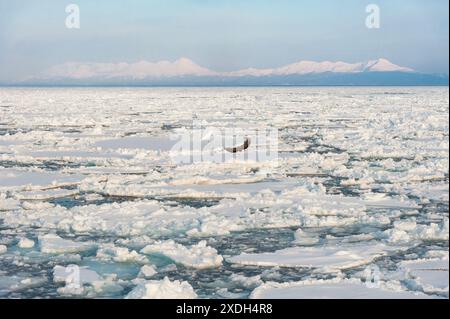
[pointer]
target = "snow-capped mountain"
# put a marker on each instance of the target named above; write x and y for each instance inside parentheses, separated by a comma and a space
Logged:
(138, 70)
(186, 72)
(185, 67)
(307, 67)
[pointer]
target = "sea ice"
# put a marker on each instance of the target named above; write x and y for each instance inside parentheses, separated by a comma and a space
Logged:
(25, 243)
(120, 254)
(198, 256)
(325, 257)
(53, 244)
(17, 283)
(163, 289)
(147, 271)
(432, 275)
(408, 230)
(357, 180)
(331, 289)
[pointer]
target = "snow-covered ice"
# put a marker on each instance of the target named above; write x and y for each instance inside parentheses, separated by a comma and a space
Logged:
(198, 256)
(163, 289)
(88, 177)
(53, 244)
(331, 258)
(331, 289)
(25, 243)
(147, 271)
(120, 254)
(432, 275)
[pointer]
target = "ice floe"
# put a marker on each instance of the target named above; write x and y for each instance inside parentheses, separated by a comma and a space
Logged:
(332, 289)
(431, 275)
(324, 257)
(18, 283)
(198, 256)
(53, 244)
(25, 243)
(120, 254)
(147, 271)
(163, 289)
(409, 230)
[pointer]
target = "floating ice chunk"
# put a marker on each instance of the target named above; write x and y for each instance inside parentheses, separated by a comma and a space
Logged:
(427, 191)
(433, 231)
(198, 256)
(349, 239)
(3, 249)
(225, 294)
(120, 254)
(249, 282)
(107, 286)
(304, 239)
(160, 143)
(437, 254)
(71, 290)
(389, 202)
(331, 289)
(45, 194)
(199, 180)
(8, 203)
(66, 258)
(329, 258)
(29, 282)
(32, 205)
(17, 283)
(406, 225)
(406, 231)
(15, 178)
(53, 244)
(396, 236)
(169, 268)
(432, 275)
(147, 271)
(163, 289)
(26, 243)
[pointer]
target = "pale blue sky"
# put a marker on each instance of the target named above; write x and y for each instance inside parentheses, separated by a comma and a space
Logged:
(221, 34)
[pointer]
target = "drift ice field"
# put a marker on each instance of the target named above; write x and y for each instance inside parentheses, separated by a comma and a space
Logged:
(354, 205)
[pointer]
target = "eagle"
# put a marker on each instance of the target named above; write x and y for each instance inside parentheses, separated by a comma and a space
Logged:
(240, 147)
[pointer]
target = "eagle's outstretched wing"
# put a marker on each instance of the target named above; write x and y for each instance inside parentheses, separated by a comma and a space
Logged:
(240, 147)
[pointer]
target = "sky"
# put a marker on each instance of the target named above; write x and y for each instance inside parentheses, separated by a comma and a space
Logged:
(222, 35)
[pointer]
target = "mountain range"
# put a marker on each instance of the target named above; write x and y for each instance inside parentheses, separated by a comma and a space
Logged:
(186, 72)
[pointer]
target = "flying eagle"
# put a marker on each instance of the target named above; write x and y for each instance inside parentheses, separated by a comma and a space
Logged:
(240, 147)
